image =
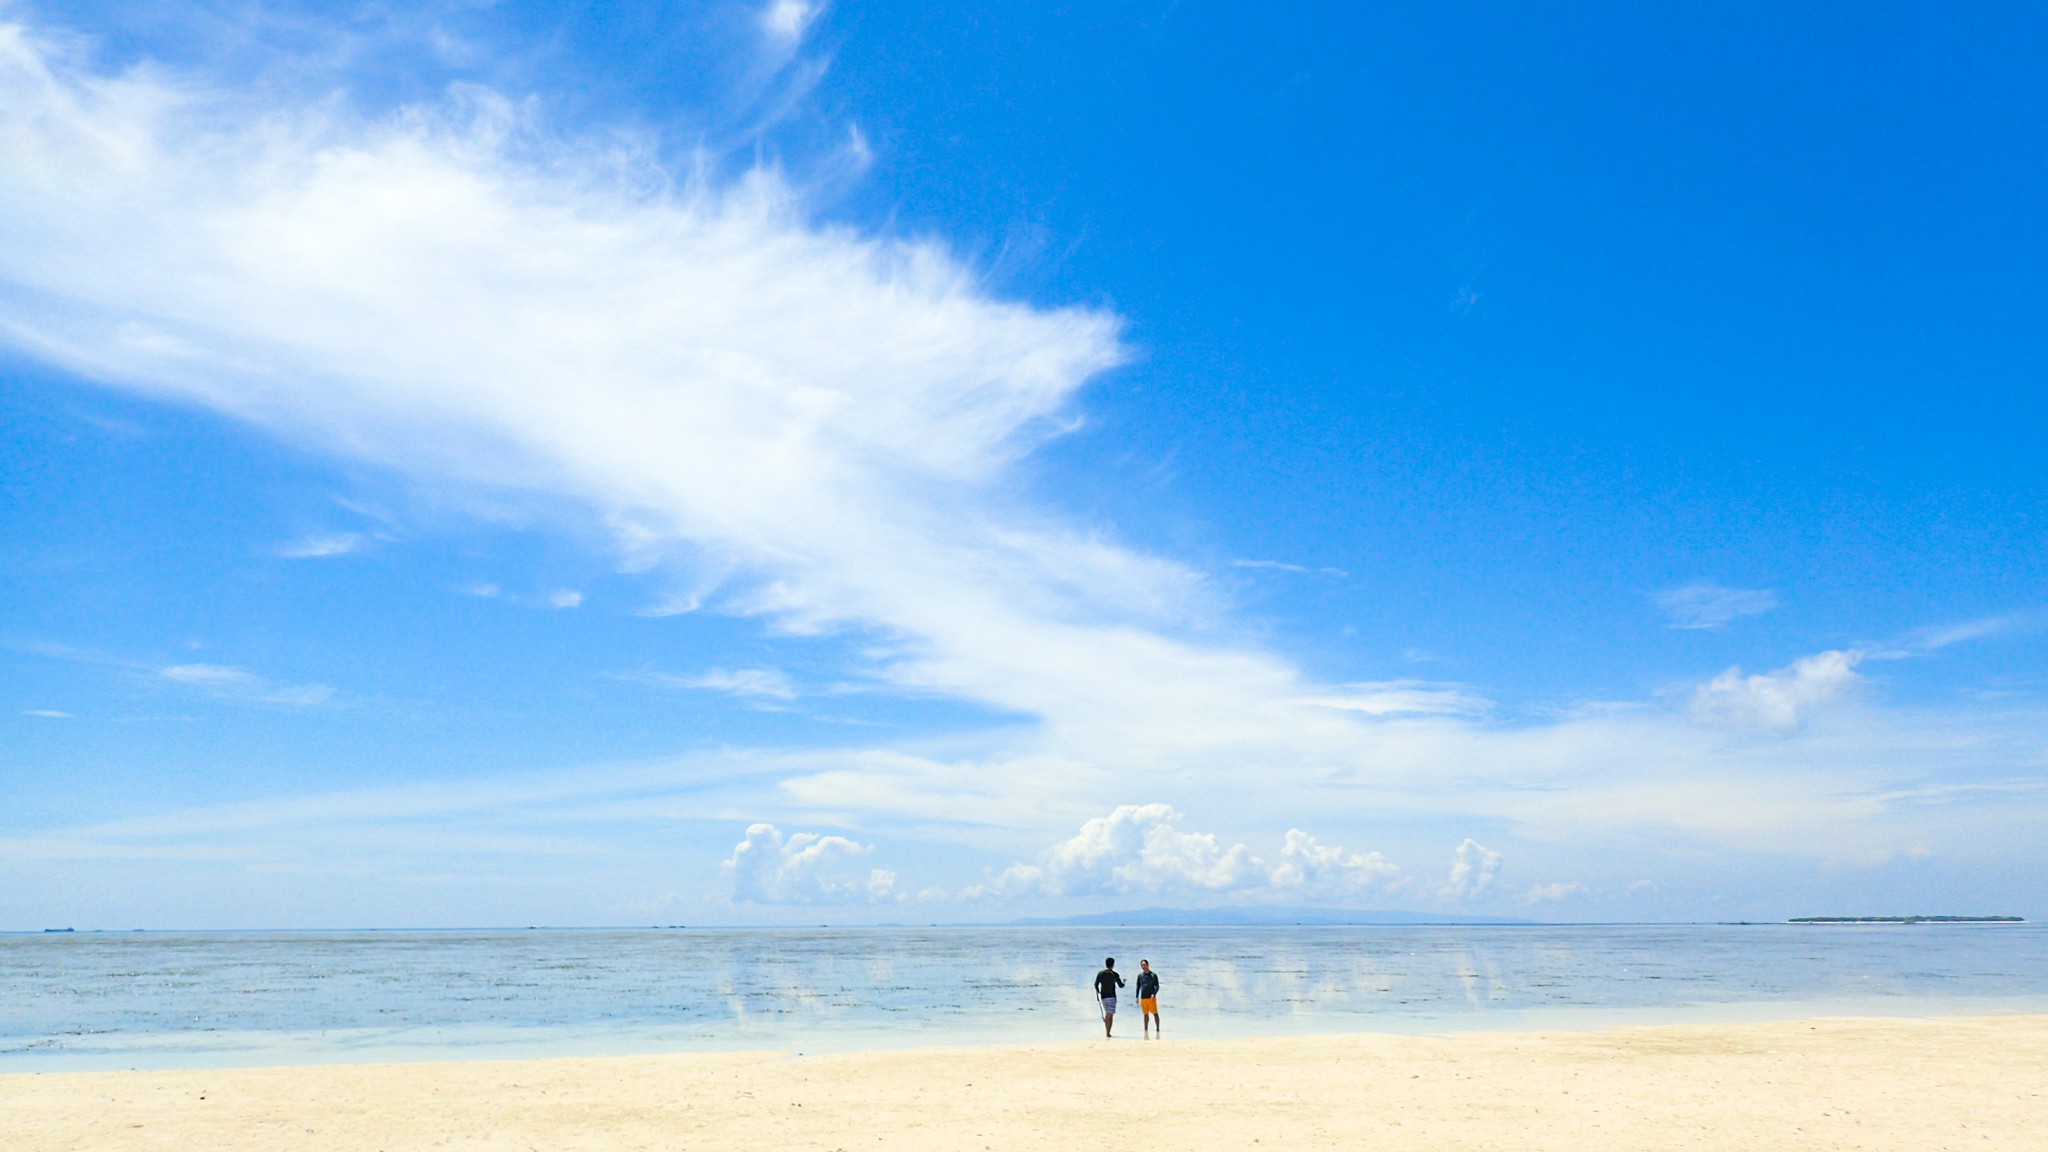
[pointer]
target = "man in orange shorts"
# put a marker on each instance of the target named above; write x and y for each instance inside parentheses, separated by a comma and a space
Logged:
(1148, 998)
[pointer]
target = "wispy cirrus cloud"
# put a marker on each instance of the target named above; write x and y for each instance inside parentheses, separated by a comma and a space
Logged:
(227, 682)
(764, 683)
(1937, 637)
(320, 546)
(1283, 566)
(559, 600)
(1704, 605)
(1403, 698)
(220, 681)
(824, 414)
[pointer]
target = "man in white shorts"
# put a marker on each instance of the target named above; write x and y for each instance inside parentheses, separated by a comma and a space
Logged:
(1106, 984)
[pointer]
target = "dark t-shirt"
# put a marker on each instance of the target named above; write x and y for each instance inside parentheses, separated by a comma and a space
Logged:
(1107, 982)
(1148, 985)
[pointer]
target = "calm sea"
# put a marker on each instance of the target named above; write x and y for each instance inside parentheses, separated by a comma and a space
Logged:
(163, 999)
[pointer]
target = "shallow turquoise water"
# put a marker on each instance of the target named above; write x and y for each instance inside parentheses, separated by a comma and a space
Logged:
(162, 999)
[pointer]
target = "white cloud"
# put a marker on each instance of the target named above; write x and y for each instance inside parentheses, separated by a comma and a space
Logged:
(804, 868)
(1552, 893)
(817, 427)
(1964, 632)
(1777, 701)
(787, 19)
(1403, 698)
(1144, 849)
(322, 546)
(227, 682)
(1283, 566)
(1472, 872)
(679, 604)
(771, 683)
(208, 675)
(1646, 784)
(561, 599)
(1706, 605)
(49, 714)
(828, 418)
(1136, 848)
(1310, 868)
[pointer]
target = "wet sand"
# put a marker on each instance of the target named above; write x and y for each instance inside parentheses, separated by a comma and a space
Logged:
(1909, 1084)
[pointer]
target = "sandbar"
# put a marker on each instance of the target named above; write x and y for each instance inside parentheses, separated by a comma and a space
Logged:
(1920, 1084)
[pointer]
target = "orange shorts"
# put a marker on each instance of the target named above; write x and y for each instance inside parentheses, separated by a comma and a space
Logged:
(1149, 1004)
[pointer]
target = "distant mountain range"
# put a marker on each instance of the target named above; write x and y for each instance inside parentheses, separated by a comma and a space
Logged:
(1907, 920)
(1251, 917)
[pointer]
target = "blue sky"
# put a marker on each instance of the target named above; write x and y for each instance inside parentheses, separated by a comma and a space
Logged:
(494, 464)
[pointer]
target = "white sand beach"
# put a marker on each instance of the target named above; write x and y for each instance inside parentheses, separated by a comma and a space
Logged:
(1908, 1084)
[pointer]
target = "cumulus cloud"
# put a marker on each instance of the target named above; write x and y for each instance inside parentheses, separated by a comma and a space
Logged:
(1136, 848)
(1552, 893)
(1145, 849)
(1472, 872)
(231, 683)
(566, 598)
(1777, 701)
(1310, 868)
(1706, 605)
(322, 546)
(803, 868)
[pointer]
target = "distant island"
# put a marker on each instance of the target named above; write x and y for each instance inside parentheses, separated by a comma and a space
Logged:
(1907, 920)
